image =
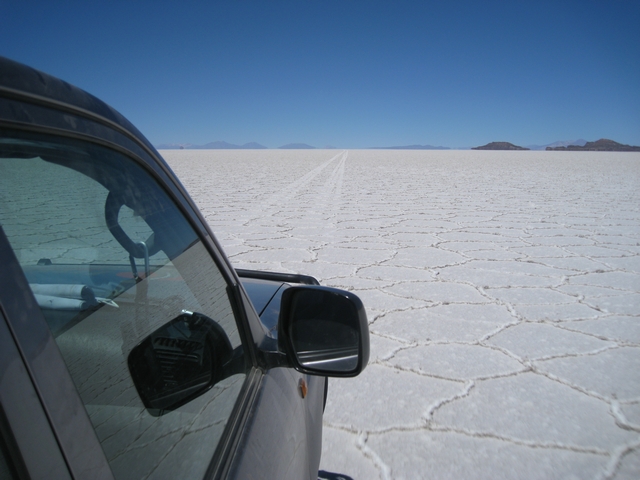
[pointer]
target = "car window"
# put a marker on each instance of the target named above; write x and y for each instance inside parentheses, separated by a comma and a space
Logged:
(113, 263)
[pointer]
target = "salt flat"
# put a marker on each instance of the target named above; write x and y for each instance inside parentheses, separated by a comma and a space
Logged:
(502, 289)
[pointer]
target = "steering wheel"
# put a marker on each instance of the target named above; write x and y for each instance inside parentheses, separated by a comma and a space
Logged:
(111, 210)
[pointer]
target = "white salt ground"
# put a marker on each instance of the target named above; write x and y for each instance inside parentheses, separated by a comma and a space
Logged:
(502, 289)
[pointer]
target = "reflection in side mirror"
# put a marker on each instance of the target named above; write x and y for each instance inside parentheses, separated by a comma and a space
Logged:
(324, 331)
(179, 362)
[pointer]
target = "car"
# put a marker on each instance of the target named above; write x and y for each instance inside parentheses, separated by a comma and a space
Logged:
(130, 347)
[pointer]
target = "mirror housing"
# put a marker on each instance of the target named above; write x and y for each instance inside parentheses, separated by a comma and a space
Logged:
(324, 331)
(179, 362)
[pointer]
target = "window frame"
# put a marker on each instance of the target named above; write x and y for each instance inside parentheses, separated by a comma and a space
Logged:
(24, 443)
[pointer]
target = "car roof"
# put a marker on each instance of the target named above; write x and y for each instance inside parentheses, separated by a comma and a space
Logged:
(21, 82)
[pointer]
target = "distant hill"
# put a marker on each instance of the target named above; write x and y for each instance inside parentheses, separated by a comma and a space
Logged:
(296, 146)
(219, 145)
(559, 143)
(602, 145)
(412, 147)
(499, 146)
(173, 146)
(253, 145)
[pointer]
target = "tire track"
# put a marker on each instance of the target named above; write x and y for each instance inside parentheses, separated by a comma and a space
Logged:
(274, 203)
(328, 198)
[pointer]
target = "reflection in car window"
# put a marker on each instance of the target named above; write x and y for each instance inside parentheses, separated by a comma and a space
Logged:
(110, 259)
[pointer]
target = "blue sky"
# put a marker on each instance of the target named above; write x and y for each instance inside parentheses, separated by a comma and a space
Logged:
(347, 73)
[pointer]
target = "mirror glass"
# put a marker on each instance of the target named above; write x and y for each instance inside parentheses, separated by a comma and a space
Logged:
(324, 331)
(179, 362)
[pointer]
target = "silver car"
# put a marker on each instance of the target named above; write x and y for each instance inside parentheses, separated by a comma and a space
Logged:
(129, 345)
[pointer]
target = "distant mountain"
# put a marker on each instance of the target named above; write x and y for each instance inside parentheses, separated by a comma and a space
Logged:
(173, 146)
(412, 147)
(219, 145)
(602, 145)
(560, 143)
(499, 146)
(296, 146)
(253, 145)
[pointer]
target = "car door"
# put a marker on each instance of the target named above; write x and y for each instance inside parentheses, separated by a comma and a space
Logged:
(102, 259)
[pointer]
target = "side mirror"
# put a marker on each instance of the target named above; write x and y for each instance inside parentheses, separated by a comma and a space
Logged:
(179, 362)
(324, 331)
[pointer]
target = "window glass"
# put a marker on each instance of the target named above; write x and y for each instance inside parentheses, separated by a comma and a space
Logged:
(111, 262)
